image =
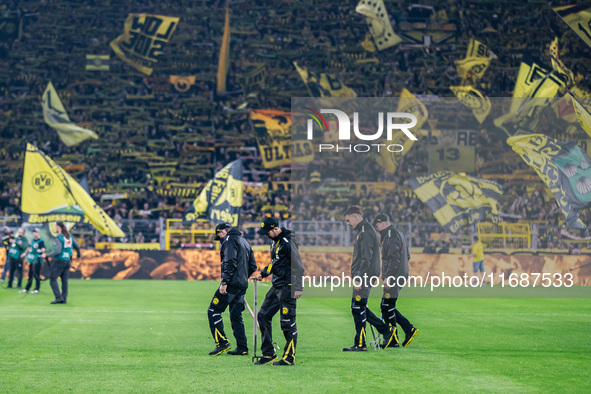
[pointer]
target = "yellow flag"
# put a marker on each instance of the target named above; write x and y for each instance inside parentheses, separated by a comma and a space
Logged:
(583, 115)
(530, 70)
(389, 160)
(578, 17)
(557, 64)
(478, 49)
(273, 135)
(472, 98)
(324, 85)
(221, 199)
(143, 40)
(457, 201)
(56, 117)
(224, 60)
(525, 117)
(50, 194)
(472, 68)
(476, 62)
(409, 103)
(379, 23)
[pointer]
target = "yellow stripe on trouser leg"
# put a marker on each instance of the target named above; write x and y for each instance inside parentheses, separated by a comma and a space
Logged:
(218, 335)
(362, 337)
(292, 347)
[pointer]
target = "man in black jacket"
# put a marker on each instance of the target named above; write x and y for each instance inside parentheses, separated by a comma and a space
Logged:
(365, 265)
(238, 264)
(6, 236)
(287, 270)
(395, 256)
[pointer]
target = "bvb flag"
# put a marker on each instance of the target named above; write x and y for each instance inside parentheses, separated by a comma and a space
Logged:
(221, 199)
(410, 104)
(273, 135)
(379, 23)
(565, 169)
(473, 99)
(97, 62)
(144, 39)
(324, 85)
(476, 62)
(50, 194)
(56, 117)
(457, 201)
(224, 60)
(578, 17)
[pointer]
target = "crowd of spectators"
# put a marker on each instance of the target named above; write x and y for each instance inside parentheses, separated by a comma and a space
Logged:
(154, 139)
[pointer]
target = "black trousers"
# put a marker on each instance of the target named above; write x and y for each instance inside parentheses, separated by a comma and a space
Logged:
(279, 299)
(34, 272)
(60, 268)
(16, 265)
(362, 315)
(235, 299)
(391, 314)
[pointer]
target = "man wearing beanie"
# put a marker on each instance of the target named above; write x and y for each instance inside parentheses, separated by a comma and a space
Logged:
(287, 270)
(238, 264)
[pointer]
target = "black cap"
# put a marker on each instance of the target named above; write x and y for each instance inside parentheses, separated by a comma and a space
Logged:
(381, 218)
(218, 228)
(36, 230)
(267, 225)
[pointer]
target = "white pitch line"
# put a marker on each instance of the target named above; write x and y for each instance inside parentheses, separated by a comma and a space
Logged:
(344, 312)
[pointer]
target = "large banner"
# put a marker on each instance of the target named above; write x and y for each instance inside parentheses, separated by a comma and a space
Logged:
(221, 199)
(50, 194)
(273, 135)
(458, 201)
(564, 168)
(205, 265)
(144, 39)
(56, 117)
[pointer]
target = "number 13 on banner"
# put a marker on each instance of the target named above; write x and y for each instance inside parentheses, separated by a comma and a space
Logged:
(456, 158)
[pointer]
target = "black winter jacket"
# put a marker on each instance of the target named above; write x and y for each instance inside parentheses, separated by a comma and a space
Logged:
(366, 252)
(238, 261)
(395, 254)
(286, 263)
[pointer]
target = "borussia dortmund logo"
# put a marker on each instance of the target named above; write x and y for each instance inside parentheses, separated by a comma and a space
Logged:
(215, 301)
(284, 311)
(387, 295)
(358, 298)
(42, 181)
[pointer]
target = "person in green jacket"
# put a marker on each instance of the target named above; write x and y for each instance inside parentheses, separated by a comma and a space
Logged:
(16, 253)
(35, 250)
(61, 262)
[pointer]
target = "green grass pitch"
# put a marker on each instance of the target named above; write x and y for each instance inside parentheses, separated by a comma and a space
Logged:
(147, 336)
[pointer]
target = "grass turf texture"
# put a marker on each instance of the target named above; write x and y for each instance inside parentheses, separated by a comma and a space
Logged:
(150, 336)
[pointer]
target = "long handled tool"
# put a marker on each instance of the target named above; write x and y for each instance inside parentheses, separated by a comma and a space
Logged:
(252, 314)
(376, 344)
(256, 323)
